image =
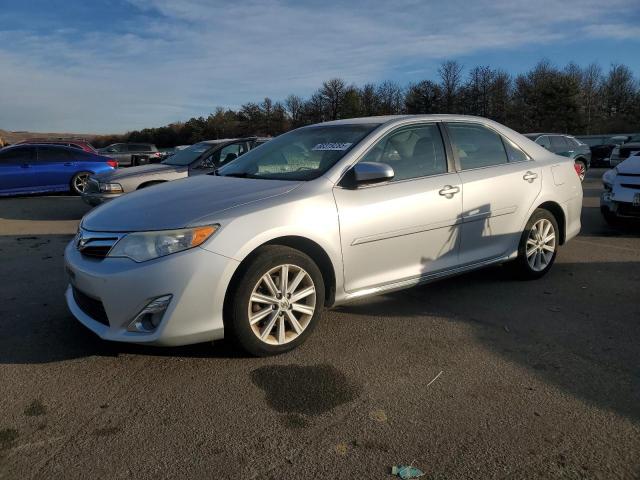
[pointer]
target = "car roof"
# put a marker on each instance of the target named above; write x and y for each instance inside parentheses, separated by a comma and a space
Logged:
(50, 145)
(547, 133)
(229, 140)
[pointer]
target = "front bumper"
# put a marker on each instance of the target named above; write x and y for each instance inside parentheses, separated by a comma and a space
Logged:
(196, 278)
(95, 199)
(618, 208)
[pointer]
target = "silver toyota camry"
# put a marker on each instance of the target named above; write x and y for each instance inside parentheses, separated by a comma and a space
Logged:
(315, 218)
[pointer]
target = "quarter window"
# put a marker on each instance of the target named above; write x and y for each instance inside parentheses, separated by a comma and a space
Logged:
(411, 152)
(476, 146)
(513, 152)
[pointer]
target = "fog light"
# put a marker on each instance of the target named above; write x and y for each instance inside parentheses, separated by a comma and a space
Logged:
(606, 196)
(150, 316)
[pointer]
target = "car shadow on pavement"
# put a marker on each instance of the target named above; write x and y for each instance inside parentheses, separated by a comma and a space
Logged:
(570, 329)
(39, 208)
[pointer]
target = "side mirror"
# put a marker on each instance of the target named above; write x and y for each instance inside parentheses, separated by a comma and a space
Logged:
(365, 173)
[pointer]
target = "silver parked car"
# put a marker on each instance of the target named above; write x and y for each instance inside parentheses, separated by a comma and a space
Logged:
(203, 157)
(317, 217)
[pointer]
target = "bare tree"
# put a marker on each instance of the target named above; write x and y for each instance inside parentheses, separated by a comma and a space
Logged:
(332, 93)
(451, 80)
(294, 106)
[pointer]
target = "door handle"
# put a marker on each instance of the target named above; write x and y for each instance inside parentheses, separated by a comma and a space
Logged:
(25, 165)
(530, 176)
(449, 191)
(68, 164)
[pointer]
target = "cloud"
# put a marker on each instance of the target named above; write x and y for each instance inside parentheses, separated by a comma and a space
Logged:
(174, 59)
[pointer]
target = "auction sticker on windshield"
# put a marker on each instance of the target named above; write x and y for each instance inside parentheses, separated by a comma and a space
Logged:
(332, 147)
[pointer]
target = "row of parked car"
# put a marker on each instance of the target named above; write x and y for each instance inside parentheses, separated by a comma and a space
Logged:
(42, 165)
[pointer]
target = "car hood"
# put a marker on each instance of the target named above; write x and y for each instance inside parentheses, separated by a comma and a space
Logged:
(180, 203)
(142, 170)
(630, 166)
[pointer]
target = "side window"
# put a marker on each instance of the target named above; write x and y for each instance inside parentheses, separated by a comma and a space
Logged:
(558, 144)
(411, 152)
(476, 146)
(513, 152)
(230, 153)
(544, 142)
(51, 154)
(15, 156)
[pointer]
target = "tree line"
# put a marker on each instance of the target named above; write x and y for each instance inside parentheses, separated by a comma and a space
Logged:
(573, 99)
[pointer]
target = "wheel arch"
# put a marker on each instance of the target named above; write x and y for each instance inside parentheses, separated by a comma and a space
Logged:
(556, 210)
(306, 246)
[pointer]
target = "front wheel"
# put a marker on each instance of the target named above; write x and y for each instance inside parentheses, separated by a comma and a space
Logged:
(79, 182)
(277, 301)
(538, 245)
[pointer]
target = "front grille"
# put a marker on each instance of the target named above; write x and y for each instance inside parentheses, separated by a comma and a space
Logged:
(631, 186)
(96, 244)
(628, 210)
(90, 306)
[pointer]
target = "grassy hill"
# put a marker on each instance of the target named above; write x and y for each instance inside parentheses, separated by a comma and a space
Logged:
(8, 137)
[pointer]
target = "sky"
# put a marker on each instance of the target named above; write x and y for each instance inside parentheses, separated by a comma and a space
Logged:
(110, 66)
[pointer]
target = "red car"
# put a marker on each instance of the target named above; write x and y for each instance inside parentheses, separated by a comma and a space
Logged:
(80, 144)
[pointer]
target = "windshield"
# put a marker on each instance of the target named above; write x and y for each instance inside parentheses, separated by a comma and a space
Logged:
(302, 154)
(188, 155)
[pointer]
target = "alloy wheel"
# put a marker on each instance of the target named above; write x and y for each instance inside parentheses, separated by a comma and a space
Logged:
(282, 304)
(541, 244)
(80, 182)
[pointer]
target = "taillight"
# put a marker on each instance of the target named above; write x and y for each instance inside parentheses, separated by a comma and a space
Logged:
(112, 163)
(577, 168)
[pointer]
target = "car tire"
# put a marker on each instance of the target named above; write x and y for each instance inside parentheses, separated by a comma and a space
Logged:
(582, 173)
(258, 317)
(79, 182)
(538, 246)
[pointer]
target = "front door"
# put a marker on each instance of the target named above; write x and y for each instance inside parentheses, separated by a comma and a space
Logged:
(16, 169)
(406, 228)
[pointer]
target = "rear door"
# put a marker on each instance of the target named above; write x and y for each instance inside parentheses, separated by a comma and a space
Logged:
(16, 168)
(500, 184)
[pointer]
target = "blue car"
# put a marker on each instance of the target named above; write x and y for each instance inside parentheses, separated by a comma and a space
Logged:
(36, 168)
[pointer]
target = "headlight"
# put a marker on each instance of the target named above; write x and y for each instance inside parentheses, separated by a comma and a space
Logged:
(110, 188)
(143, 246)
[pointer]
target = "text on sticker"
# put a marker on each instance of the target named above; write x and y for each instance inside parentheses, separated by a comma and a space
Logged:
(331, 146)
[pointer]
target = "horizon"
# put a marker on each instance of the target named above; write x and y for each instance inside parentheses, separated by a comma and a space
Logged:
(110, 67)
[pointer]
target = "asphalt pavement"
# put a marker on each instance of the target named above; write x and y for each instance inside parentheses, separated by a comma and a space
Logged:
(478, 376)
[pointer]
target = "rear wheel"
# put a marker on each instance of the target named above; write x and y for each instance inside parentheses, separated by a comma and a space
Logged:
(276, 302)
(79, 182)
(538, 245)
(581, 169)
